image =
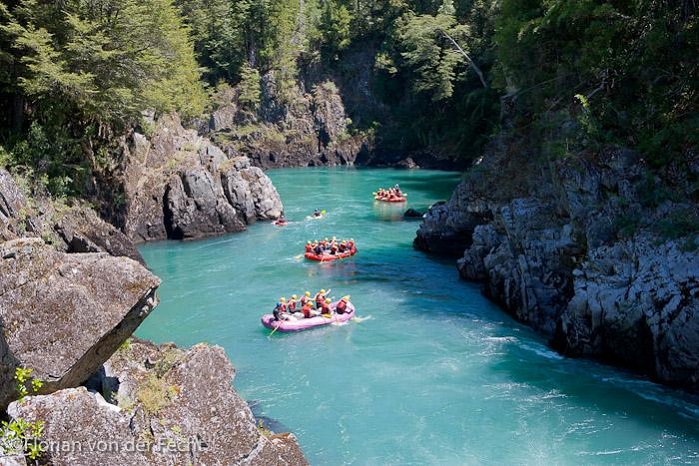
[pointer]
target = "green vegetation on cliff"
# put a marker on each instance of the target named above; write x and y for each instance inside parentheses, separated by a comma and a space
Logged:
(75, 73)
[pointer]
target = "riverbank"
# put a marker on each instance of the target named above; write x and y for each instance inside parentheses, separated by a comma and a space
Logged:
(597, 250)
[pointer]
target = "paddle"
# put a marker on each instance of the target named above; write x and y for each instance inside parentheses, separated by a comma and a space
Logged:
(275, 328)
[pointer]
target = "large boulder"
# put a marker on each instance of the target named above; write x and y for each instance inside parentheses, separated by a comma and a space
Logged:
(268, 204)
(179, 406)
(63, 315)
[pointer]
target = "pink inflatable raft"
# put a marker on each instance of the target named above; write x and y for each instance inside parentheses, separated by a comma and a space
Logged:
(312, 322)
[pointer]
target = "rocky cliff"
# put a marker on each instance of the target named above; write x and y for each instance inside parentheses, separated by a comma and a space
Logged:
(66, 314)
(594, 249)
(71, 227)
(304, 125)
(156, 405)
(176, 184)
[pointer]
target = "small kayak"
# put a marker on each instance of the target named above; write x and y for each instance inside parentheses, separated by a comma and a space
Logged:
(305, 324)
(390, 199)
(330, 257)
(280, 224)
(313, 217)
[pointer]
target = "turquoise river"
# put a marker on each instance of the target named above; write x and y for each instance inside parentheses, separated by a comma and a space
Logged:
(433, 374)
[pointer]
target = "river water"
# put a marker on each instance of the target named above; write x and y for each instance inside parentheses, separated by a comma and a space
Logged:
(433, 374)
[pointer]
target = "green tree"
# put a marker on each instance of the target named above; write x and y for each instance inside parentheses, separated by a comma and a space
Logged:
(429, 52)
(250, 92)
(87, 68)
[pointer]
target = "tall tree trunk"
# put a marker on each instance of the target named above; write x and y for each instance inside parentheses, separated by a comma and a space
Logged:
(468, 58)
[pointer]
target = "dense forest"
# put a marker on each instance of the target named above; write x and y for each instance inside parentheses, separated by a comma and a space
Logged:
(75, 73)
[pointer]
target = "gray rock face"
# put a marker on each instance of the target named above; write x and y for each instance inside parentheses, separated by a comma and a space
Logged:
(223, 119)
(63, 315)
(196, 206)
(70, 229)
(552, 248)
(83, 231)
(299, 128)
(179, 185)
(238, 193)
(178, 405)
(264, 195)
(636, 303)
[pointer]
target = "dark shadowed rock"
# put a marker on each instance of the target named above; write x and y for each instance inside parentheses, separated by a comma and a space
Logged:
(83, 231)
(168, 399)
(63, 315)
(408, 162)
(412, 214)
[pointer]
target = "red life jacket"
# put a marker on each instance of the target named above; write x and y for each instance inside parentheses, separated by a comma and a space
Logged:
(320, 299)
(325, 308)
(341, 307)
(292, 306)
(306, 309)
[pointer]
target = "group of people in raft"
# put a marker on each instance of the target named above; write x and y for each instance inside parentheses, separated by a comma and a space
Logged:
(308, 307)
(331, 247)
(391, 194)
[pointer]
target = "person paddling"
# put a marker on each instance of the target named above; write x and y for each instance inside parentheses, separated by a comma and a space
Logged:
(341, 307)
(279, 311)
(320, 299)
(306, 298)
(307, 310)
(325, 307)
(291, 307)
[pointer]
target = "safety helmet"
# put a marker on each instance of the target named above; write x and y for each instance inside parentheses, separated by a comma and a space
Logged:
(327, 300)
(308, 293)
(293, 296)
(322, 291)
(282, 300)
